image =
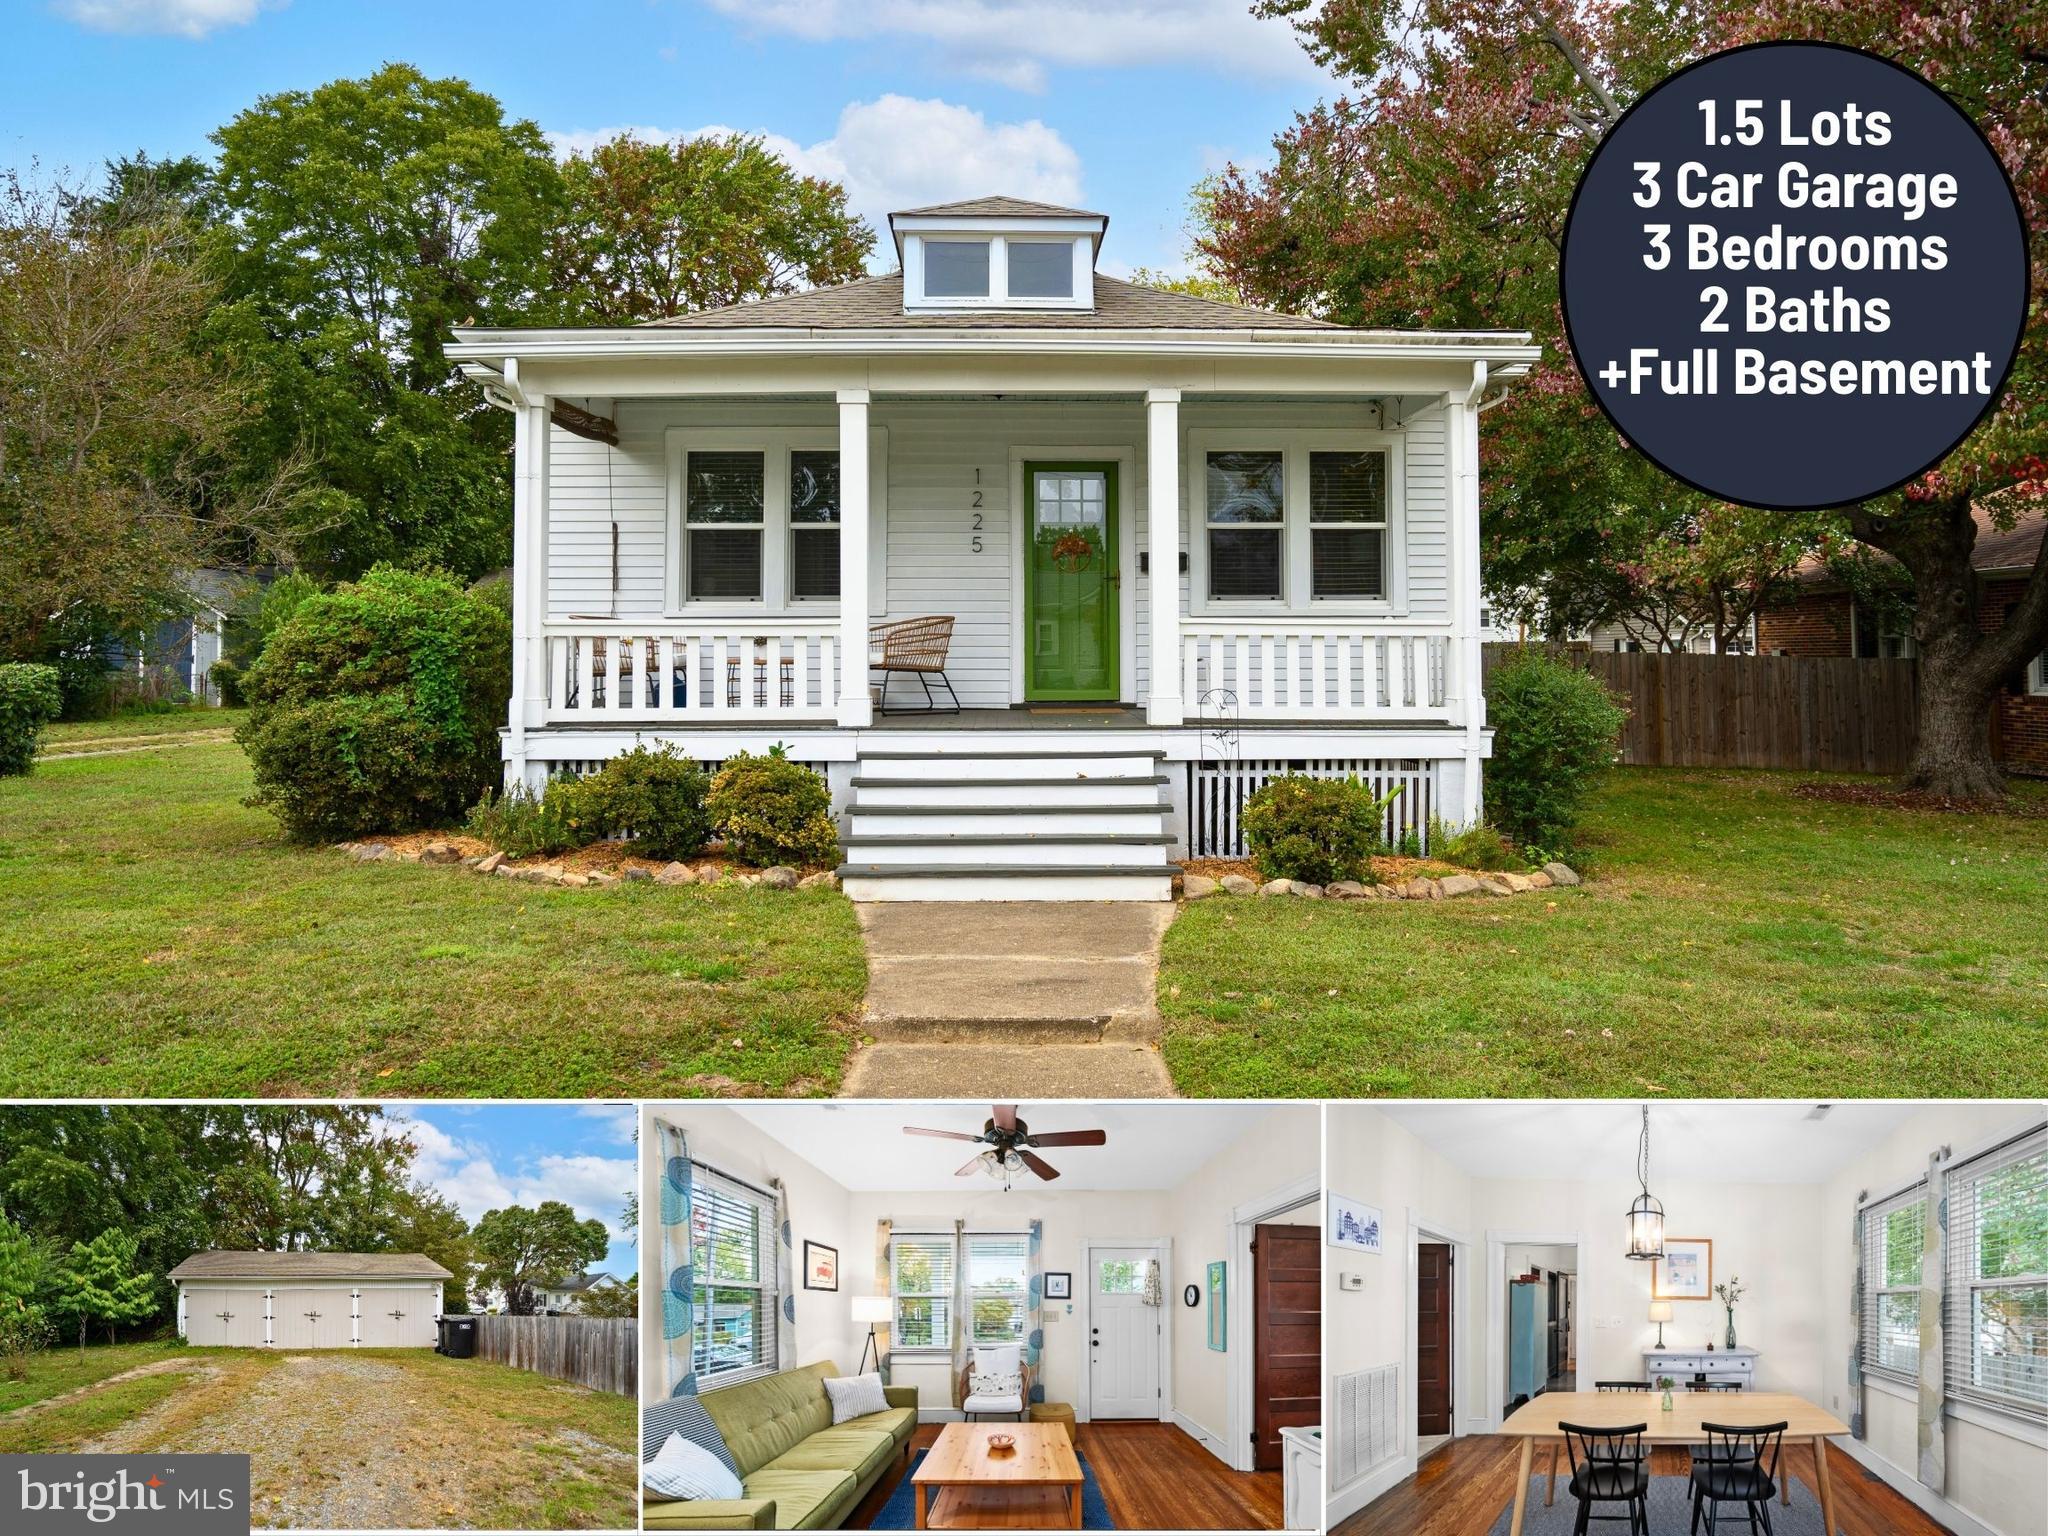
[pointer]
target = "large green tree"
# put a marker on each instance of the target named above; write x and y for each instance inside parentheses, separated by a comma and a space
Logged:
(99, 1282)
(1433, 192)
(362, 220)
(519, 1248)
(662, 229)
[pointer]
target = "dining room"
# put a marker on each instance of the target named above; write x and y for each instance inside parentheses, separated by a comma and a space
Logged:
(1797, 1318)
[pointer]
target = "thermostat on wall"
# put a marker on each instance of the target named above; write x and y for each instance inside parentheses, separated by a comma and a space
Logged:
(1350, 1282)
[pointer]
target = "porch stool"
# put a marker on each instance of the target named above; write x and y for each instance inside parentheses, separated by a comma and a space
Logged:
(1056, 1413)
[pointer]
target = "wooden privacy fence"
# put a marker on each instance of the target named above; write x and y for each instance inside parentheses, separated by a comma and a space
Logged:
(1834, 714)
(599, 1352)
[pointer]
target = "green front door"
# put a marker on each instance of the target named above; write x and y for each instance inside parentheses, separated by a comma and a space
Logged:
(1070, 582)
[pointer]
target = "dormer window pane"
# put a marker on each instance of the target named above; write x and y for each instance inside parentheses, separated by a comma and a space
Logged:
(956, 269)
(1041, 269)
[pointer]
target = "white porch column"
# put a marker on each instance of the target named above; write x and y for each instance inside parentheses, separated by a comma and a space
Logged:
(856, 710)
(1462, 430)
(529, 702)
(1164, 704)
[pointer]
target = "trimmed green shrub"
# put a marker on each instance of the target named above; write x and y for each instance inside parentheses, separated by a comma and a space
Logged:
(1476, 847)
(655, 798)
(30, 698)
(1556, 729)
(375, 707)
(1315, 830)
(773, 811)
(520, 824)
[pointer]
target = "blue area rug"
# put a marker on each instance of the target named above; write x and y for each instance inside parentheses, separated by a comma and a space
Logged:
(900, 1513)
(1670, 1511)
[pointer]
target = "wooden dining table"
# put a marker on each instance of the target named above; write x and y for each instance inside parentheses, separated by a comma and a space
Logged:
(1539, 1418)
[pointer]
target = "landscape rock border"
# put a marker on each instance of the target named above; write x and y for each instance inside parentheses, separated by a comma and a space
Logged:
(780, 877)
(1420, 888)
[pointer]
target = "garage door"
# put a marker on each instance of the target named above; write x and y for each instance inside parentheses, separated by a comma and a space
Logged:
(398, 1316)
(220, 1315)
(309, 1319)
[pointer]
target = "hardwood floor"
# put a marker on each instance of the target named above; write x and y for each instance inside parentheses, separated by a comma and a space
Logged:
(1153, 1478)
(1461, 1490)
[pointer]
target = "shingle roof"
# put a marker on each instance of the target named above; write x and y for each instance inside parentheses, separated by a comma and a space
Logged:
(994, 208)
(876, 303)
(2016, 549)
(223, 1264)
(578, 1282)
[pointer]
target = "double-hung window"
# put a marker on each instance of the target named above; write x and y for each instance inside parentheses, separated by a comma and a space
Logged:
(2037, 675)
(1301, 518)
(813, 523)
(734, 1304)
(921, 1284)
(1347, 524)
(1995, 1286)
(997, 1283)
(1246, 513)
(1894, 1234)
(725, 510)
(756, 518)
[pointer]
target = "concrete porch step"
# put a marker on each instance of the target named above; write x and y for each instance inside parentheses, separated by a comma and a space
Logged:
(1036, 791)
(1050, 845)
(1001, 820)
(870, 881)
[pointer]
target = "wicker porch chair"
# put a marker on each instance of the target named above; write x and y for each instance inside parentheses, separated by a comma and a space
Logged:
(916, 646)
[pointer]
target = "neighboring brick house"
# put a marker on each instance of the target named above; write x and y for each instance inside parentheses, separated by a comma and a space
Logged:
(1822, 619)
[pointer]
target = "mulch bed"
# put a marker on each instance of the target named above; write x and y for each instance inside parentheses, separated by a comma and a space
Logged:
(1387, 870)
(612, 858)
(1884, 797)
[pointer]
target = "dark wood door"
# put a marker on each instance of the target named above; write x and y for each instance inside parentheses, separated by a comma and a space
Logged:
(1433, 1363)
(1287, 1336)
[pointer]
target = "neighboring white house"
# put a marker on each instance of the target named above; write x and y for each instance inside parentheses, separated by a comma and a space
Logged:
(309, 1300)
(1184, 546)
(567, 1295)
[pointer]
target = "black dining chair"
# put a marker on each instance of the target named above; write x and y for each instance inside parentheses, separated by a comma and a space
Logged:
(1621, 1386)
(1713, 1386)
(1739, 1466)
(1607, 1468)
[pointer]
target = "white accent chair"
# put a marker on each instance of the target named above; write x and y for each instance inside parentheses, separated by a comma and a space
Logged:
(995, 1360)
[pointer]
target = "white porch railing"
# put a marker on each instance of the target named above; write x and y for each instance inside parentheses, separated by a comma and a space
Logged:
(731, 672)
(1291, 670)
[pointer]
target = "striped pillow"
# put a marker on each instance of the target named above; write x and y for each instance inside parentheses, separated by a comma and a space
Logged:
(683, 1469)
(682, 1415)
(855, 1397)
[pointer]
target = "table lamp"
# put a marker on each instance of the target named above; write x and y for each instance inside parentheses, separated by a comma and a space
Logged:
(1660, 1314)
(870, 1310)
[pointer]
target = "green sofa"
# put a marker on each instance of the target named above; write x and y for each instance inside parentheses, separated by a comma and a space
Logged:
(801, 1471)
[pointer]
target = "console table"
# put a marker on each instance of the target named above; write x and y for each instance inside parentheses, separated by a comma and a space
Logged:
(1683, 1365)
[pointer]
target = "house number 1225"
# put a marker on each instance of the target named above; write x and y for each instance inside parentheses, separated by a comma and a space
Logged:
(976, 542)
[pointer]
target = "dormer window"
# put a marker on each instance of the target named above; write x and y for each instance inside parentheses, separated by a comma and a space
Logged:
(997, 253)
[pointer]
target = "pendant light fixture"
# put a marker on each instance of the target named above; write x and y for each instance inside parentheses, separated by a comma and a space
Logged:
(1646, 1214)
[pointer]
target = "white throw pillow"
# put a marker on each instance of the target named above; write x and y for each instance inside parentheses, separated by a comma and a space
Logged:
(683, 1469)
(855, 1397)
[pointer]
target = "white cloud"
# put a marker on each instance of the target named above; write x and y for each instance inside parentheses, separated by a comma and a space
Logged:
(464, 1172)
(177, 18)
(901, 152)
(1013, 41)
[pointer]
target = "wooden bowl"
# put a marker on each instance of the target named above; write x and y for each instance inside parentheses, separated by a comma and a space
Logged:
(1002, 1444)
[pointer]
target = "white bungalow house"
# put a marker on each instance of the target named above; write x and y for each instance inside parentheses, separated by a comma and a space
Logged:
(1183, 546)
(566, 1295)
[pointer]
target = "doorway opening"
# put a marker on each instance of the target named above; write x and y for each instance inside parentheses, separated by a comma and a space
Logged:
(1542, 1283)
(1436, 1345)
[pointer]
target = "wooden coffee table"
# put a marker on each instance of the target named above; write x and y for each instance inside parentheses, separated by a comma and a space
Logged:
(962, 1485)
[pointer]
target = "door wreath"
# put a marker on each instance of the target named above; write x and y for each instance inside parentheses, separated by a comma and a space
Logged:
(1072, 552)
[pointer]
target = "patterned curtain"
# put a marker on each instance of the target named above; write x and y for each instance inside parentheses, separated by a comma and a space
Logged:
(1034, 1303)
(677, 1292)
(785, 1280)
(958, 1310)
(886, 1284)
(1856, 1328)
(1933, 1376)
(1154, 1294)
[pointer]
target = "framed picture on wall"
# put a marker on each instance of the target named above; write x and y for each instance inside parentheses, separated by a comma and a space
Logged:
(1354, 1224)
(1059, 1285)
(1219, 1306)
(821, 1267)
(1686, 1272)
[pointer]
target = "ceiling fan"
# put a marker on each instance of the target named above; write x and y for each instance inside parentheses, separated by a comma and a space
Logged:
(1010, 1142)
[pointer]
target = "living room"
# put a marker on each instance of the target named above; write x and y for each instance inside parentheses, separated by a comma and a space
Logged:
(1093, 1316)
(1771, 1268)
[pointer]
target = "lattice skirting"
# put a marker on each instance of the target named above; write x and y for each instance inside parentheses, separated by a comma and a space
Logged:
(1218, 788)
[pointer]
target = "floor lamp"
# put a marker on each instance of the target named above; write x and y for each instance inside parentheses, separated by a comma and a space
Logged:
(870, 1310)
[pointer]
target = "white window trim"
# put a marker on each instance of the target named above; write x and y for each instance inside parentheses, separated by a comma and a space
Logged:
(1958, 1289)
(974, 1293)
(2037, 676)
(1295, 445)
(768, 1285)
(1859, 617)
(998, 232)
(774, 444)
(895, 1296)
(1915, 1193)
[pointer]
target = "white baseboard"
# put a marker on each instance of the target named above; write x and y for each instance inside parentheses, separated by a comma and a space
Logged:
(1917, 1493)
(1346, 1502)
(1211, 1441)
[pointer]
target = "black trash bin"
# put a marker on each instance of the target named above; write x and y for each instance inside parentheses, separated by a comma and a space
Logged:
(458, 1340)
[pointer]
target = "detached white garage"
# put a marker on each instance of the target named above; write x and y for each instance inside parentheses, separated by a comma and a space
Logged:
(309, 1300)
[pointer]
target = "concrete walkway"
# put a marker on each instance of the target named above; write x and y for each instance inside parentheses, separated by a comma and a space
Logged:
(1011, 999)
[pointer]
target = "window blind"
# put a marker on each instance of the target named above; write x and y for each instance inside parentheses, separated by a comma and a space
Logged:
(1893, 1235)
(921, 1282)
(733, 1258)
(1995, 1342)
(997, 1268)
(1246, 509)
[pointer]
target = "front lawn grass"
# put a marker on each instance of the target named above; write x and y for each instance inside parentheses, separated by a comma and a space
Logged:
(160, 939)
(75, 735)
(65, 1368)
(1738, 941)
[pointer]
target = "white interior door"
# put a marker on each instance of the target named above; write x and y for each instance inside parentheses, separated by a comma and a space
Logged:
(1123, 1336)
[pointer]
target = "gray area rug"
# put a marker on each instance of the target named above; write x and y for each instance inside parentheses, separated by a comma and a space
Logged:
(1670, 1512)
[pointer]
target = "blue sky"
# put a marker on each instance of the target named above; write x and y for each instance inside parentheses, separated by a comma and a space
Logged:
(484, 1156)
(1120, 105)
